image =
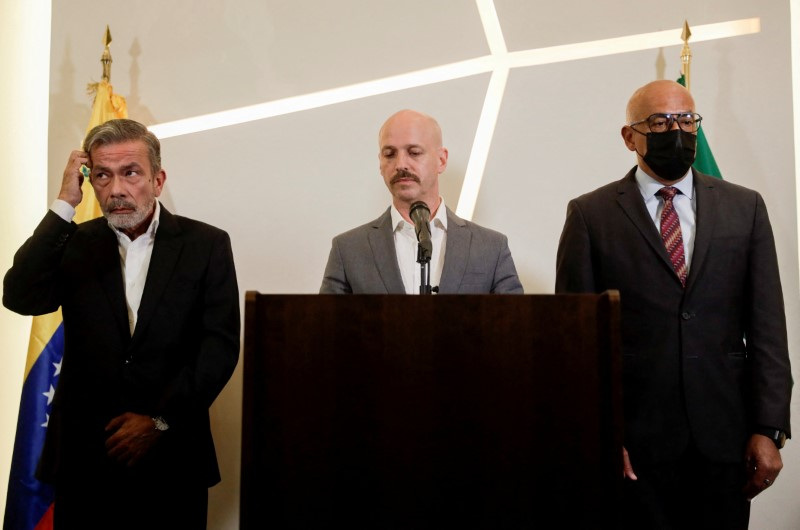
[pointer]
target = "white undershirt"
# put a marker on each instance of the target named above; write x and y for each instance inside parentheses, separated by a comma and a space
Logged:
(406, 245)
(134, 257)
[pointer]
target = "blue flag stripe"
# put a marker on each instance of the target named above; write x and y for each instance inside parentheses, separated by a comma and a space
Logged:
(28, 499)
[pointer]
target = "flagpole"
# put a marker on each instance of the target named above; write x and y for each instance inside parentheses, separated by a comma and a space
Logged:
(704, 159)
(106, 106)
(686, 55)
(106, 57)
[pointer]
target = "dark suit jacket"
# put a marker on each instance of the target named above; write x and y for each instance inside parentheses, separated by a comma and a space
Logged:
(709, 361)
(363, 260)
(183, 350)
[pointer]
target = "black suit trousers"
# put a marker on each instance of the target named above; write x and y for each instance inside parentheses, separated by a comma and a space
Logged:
(691, 493)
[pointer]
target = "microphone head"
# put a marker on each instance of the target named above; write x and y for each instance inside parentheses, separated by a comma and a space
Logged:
(421, 215)
(419, 212)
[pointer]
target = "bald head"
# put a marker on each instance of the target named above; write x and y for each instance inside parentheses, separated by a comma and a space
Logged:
(411, 159)
(658, 96)
(412, 119)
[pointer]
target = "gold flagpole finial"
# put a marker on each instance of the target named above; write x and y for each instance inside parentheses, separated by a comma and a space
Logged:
(106, 57)
(686, 54)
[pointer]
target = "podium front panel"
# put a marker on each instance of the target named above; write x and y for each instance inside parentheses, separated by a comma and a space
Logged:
(393, 411)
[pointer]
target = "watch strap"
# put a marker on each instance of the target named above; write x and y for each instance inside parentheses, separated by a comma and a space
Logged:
(777, 436)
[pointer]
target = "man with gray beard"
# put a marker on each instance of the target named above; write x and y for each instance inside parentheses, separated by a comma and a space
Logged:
(150, 308)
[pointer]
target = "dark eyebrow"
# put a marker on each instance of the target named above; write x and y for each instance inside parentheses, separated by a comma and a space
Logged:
(106, 169)
(132, 165)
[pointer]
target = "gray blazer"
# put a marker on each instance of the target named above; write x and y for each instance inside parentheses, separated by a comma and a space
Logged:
(477, 260)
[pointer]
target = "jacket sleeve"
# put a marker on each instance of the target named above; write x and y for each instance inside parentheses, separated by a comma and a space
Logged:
(765, 332)
(574, 257)
(506, 280)
(31, 285)
(334, 281)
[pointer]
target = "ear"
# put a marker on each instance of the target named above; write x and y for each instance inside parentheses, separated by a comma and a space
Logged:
(158, 182)
(627, 137)
(442, 159)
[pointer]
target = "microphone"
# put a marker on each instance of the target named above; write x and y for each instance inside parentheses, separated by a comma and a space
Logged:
(421, 215)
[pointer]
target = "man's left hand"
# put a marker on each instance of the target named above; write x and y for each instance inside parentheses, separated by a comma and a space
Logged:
(131, 437)
(763, 462)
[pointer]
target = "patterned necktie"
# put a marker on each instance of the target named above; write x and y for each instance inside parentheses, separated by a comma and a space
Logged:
(671, 233)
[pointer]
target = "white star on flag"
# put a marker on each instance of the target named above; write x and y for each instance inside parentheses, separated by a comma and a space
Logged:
(50, 393)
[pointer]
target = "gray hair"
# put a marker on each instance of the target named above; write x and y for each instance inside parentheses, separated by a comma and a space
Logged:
(125, 130)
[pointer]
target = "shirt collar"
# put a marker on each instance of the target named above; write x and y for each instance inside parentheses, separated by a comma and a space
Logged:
(648, 186)
(439, 220)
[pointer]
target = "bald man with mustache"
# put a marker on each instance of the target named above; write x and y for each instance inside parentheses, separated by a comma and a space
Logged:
(380, 257)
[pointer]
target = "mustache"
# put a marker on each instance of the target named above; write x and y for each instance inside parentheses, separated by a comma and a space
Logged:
(119, 203)
(403, 174)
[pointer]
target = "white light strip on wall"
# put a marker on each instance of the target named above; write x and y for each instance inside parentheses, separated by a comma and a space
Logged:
(794, 13)
(25, 36)
(632, 43)
(473, 176)
(480, 147)
(324, 98)
(499, 62)
(444, 73)
(491, 27)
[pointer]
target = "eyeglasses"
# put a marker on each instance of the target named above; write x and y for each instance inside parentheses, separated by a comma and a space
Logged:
(659, 123)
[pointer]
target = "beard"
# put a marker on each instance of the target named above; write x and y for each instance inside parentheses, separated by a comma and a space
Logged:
(127, 221)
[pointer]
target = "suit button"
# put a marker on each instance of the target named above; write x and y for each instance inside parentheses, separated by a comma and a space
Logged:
(686, 315)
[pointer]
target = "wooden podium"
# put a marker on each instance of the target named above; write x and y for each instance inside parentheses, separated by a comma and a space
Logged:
(444, 411)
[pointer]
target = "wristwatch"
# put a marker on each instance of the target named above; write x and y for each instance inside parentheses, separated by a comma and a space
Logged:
(777, 436)
(160, 423)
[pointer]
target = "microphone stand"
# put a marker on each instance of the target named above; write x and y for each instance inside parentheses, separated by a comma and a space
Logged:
(424, 260)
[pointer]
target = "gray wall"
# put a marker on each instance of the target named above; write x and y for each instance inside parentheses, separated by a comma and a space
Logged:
(283, 186)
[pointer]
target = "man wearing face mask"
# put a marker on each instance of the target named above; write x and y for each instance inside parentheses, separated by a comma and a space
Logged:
(706, 375)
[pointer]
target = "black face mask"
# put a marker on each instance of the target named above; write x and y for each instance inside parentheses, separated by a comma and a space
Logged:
(670, 154)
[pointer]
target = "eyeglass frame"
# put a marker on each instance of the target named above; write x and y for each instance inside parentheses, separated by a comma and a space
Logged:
(671, 118)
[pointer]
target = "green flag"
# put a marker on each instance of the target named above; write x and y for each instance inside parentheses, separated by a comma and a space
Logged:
(704, 160)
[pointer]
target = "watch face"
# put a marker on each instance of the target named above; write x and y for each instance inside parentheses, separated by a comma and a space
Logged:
(160, 424)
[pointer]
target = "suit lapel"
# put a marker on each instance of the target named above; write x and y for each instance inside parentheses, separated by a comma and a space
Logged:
(106, 261)
(166, 251)
(381, 241)
(630, 200)
(456, 253)
(704, 223)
